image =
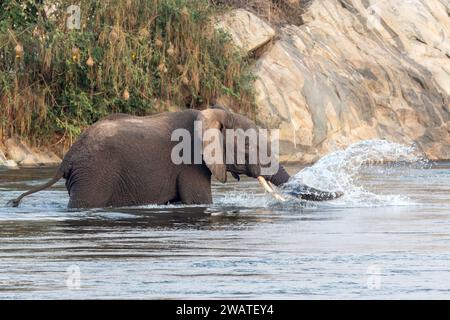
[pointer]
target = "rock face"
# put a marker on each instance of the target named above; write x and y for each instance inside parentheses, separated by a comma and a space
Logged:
(247, 30)
(357, 70)
(18, 153)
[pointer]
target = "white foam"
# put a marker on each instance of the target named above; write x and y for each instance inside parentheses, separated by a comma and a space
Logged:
(341, 170)
(243, 199)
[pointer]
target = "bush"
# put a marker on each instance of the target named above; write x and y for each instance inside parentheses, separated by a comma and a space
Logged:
(127, 56)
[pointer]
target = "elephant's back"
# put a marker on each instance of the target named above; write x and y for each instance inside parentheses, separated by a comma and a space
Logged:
(130, 141)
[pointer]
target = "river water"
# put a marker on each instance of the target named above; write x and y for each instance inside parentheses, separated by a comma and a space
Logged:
(387, 238)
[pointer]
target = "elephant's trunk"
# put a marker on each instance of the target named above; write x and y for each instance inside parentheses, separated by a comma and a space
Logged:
(277, 179)
(302, 192)
(280, 177)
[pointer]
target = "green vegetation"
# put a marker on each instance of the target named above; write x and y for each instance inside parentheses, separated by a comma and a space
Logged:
(132, 56)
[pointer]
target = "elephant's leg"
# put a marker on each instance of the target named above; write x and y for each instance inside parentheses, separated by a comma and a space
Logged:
(88, 193)
(194, 185)
(85, 197)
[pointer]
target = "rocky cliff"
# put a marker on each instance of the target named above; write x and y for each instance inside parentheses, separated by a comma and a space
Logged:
(354, 70)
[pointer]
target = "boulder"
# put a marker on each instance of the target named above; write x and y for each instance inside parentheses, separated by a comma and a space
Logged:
(46, 157)
(16, 150)
(5, 163)
(10, 164)
(247, 30)
(20, 153)
(355, 72)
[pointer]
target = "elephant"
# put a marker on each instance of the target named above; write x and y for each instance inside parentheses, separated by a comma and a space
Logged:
(123, 160)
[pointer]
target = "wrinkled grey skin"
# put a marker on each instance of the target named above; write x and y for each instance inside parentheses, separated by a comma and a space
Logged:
(125, 160)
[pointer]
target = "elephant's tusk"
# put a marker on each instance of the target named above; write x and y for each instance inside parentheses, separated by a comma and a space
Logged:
(269, 189)
(264, 184)
(276, 193)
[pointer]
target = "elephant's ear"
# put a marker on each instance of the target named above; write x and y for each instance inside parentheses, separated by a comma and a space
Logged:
(212, 140)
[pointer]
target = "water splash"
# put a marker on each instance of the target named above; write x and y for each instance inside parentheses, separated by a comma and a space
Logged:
(344, 171)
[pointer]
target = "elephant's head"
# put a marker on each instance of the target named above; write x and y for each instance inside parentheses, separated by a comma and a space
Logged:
(239, 152)
(241, 145)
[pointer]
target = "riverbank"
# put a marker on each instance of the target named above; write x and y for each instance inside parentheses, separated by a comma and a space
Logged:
(16, 153)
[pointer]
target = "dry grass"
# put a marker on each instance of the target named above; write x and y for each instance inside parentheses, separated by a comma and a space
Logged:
(127, 57)
(276, 12)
